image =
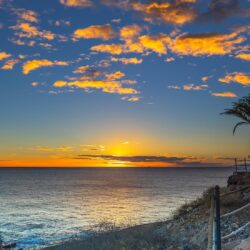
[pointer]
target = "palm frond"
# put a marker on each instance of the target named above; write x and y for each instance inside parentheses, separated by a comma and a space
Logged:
(240, 109)
(239, 124)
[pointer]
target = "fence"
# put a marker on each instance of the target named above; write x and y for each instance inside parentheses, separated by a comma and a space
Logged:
(241, 165)
(214, 229)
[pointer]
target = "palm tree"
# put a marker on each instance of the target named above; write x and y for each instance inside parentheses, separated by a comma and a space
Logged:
(240, 109)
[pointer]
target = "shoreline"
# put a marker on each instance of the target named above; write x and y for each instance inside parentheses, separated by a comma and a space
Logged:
(187, 229)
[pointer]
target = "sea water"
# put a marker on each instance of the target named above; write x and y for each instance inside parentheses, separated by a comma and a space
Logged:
(41, 206)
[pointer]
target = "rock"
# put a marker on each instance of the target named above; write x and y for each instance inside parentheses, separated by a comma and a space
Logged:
(238, 179)
(9, 246)
(244, 245)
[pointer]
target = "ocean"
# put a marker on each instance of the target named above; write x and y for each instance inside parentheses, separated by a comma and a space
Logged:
(43, 206)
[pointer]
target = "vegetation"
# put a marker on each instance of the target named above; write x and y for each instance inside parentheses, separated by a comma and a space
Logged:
(240, 109)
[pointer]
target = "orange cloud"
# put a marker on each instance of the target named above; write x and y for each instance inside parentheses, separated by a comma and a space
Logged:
(114, 49)
(91, 72)
(28, 15)
(206, 78)
(76, 3)
(132, 60)
(105, 86)
(10, 64)
(35, 64)
(225, 94)
(59, 149)
(104, 32)
(238, 77)
(170, 59)
(174, 12)
(155, 43)
(205, 44)
(4, 55)
(29, 31)
(131, 99)
(82, 69)
(130, 32)
(115, 76)
(244, 56)
(195, 87)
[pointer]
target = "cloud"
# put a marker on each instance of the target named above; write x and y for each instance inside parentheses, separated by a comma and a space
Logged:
(10, 64)
(35, 64)
(155, 43)
(174, 87)
(61, 22)
(170, 59)
(219, 10)
(206, 78)
(243, 56)
(82, 69)
(238, 77)
(180, 12)
(76, 3)
(59, 149)
(131, 99)
(225, 94)
(114, 76)
(131, 60)
(91, 73)
(130, 32)
(189, 87)
(202, 44)
(27, 15)
(205, 44)
(93, 147)
(176, 12)
(144, 43)
(29, 31)
(35, 84)
(195, 87)
(104, 32)
(114, 49)
(151, 160)
(105, 86)
(4, 55)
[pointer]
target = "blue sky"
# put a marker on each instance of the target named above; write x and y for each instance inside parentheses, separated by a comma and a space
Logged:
(122, 78)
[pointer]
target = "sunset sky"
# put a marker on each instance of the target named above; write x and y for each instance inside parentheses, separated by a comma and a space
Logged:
(122, 83)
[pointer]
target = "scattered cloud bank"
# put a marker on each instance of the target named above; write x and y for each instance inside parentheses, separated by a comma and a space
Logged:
(105, 86)
(131, 44)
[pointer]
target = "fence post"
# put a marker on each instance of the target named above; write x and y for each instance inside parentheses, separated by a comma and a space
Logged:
(245, 161)
(217, 218)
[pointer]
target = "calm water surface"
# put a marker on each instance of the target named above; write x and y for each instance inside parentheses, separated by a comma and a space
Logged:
(42, 206)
